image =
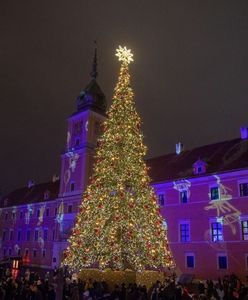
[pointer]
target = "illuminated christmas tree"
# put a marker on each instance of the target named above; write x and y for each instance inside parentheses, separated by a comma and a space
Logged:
(119, 225)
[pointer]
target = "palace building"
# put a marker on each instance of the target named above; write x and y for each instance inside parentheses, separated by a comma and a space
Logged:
(202, 193)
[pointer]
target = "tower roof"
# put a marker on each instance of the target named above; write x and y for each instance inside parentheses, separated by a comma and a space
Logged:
(92, 97)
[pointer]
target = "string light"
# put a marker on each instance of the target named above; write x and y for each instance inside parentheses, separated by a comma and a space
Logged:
(119, 225)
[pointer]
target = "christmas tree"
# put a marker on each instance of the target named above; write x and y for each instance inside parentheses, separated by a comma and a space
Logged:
(119, 225)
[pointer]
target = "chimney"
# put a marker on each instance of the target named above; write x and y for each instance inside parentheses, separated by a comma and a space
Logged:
(31, 183)
(243, 132)
(55, 178)
(179, 148)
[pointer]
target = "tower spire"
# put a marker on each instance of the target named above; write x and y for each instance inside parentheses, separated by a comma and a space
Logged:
(94, 73)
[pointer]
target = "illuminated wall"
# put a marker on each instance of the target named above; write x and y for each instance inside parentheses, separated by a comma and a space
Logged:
(207, 220)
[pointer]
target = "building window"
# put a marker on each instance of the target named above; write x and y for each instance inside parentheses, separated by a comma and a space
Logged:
(246, 261)
(55, 211)
(243, 189)
(21, 215)
(26, 252)
(4, 251)
(53, 234)
(184, 232)
(28, 235)
(184, 196)
(54, 259)
(244, 225)
(69, 209)
(10, 251)
(45, 234)
(47, 212)
(161, 199)
(222, 262)
(6, 216)
(199, 167)
(215, 193)
(72, 186)
(216, 232)
(4, 236)
(19, 235)
(13, 215)
(190, 260)
(77, 143)
(11, 233)
(36, 234)
(34, 253)
(43, 253)
(19, 252)
(38, 213)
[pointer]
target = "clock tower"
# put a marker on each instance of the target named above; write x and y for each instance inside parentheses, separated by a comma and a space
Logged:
(84, 127)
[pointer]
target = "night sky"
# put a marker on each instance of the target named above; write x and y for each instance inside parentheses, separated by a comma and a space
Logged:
(190, 74)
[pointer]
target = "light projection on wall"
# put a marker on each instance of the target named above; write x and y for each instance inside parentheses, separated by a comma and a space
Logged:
(16, 248)
(86, 126)
(182, 186)
(41, 214)
(28, 214)
(73, 158)
(68, 139)
(14, 210)
(60, 216)
(41, 240)
(225, 211)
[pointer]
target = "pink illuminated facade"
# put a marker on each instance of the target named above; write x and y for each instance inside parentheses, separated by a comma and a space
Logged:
(202, 193)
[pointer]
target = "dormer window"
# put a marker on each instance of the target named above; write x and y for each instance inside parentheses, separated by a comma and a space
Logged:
(199, 167)
(46, 195)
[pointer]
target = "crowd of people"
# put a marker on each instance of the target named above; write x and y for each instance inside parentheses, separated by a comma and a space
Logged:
(32, 286)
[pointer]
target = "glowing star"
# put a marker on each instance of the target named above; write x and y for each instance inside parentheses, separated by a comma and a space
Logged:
(124, 55)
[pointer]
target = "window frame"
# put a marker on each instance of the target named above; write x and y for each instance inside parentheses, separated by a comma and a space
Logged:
(187, 240)
(69, 211)
(45, 236)
(189, 254)
(43, 253)
(19, 235)
(11, 235)
(161, 199)
(243, 234)
(72, 184)
(212, 222)
(239, 186)
(218, 189)
(36, 237)
(218, 261)
(28, 236)
(35, 252)
(4, 233)
(185, 193)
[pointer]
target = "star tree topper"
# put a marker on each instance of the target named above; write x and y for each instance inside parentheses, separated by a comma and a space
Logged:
(124, 55)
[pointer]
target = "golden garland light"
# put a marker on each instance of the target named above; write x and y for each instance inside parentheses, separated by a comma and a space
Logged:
(119, 225)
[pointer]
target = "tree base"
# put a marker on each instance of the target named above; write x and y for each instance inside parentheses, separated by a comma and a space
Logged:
(147, 278)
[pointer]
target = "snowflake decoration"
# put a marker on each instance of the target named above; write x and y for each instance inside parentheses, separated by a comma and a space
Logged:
(124, 55)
